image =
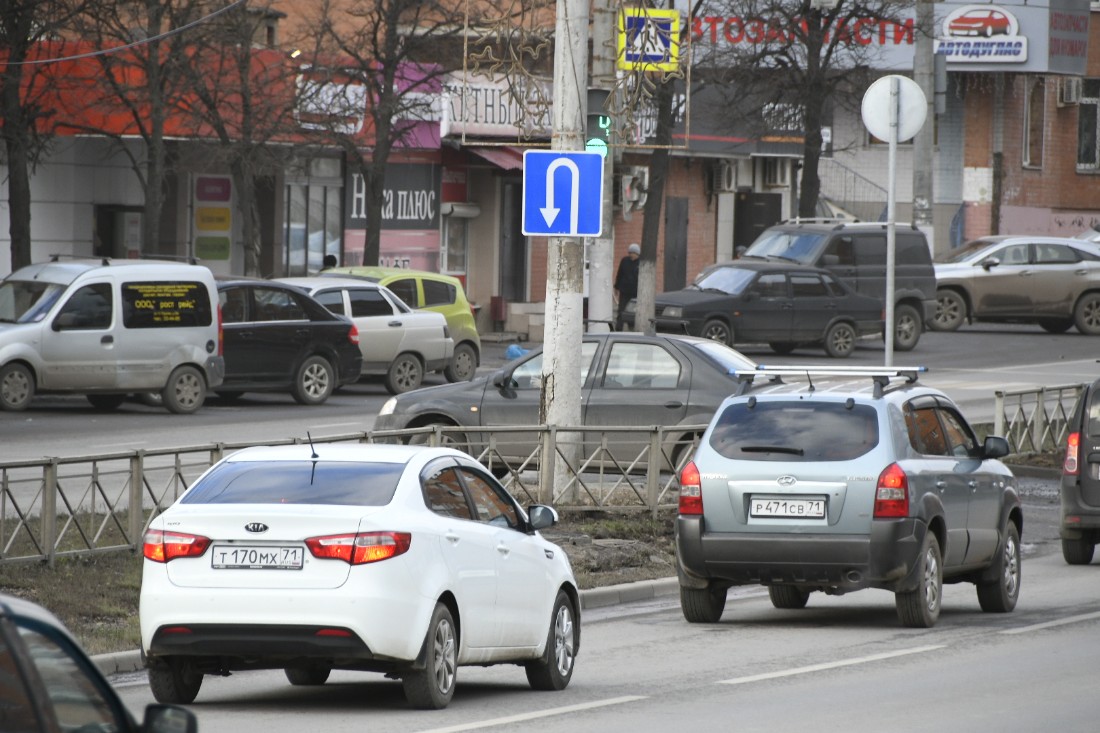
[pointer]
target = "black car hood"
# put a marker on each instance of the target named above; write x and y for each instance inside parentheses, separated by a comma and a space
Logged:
(691, 297)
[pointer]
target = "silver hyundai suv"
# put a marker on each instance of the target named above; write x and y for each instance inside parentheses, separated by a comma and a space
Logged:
(839, 479)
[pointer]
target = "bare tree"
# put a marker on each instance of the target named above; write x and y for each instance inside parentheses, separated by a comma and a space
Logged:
(25, 118)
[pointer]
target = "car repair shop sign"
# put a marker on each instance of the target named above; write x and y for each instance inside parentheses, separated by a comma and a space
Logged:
(983, 34)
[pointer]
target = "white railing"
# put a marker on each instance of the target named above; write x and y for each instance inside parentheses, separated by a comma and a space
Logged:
(1035, 420)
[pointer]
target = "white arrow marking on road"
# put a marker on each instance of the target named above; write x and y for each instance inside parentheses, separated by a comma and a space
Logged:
(549, 212)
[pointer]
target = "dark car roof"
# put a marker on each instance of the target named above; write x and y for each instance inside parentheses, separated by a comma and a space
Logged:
(761, 265)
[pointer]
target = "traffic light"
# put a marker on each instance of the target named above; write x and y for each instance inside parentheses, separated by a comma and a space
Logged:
(597, 136)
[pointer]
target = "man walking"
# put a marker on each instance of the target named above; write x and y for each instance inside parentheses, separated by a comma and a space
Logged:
(626, 282)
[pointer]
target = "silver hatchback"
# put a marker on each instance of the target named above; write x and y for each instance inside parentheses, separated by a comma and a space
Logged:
(835, 480)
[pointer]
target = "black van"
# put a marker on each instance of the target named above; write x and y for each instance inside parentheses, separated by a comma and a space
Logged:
(856, 253)
(1080, 530)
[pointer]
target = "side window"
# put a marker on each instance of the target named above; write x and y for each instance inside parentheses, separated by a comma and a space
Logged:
(406, 290)
(443, 494)
(807, 286)
(773, 285)
(834, 287)
(333, 300)
(234, 302)
(870, 250)
(925, 433)
(528, 375)
(840, 251)
(913, 249)
(365, 303)
(960, 440)
(16, 713)
(89, 308)
(1055, 254)
(641, 366)
(437, 293)
(491, 502)
(277, 305)
(76, 699)
(1015, 254)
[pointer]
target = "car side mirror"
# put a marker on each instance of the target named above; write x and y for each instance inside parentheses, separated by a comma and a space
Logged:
(502, 379)
(989, 263)
(995, 447)
(169, 719)
(542, 516)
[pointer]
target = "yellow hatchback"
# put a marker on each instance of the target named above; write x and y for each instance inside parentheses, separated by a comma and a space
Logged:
(435, 292)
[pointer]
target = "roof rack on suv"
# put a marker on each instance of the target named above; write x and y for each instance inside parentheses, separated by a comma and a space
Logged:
(881, 376)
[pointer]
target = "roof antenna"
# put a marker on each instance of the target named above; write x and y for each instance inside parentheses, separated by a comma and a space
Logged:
(810, 379)
(310, 437)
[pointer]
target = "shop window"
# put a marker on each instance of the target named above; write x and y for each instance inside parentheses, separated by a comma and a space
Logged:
(1088, 112)
(1035, 122)
(455, 232)
(314, 208)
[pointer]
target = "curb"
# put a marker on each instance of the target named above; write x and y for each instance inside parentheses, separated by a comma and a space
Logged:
(119, 663)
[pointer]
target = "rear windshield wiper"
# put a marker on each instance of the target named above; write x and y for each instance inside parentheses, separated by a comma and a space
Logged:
(772, 449)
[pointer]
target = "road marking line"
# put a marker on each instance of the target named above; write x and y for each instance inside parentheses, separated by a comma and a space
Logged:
(536, 715)
(829, 665)
(1049, 624)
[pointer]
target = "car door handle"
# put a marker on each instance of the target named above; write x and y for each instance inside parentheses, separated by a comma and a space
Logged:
(941, 484)
(452, 538)
(674, 405)
(972, 484)
(394, 324)
(302, 332)
(503, 549)
(108, 339)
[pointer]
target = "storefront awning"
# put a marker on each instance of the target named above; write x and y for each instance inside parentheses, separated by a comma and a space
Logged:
(508, 158)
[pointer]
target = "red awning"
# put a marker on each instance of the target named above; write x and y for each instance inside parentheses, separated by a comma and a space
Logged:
(508, 158)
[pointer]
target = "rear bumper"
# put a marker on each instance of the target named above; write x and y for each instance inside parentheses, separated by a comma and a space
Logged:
(1077, 514)
(885, 558)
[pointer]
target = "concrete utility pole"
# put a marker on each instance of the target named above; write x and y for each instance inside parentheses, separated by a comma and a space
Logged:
(601, 250)
(924, 76)
(560, 404)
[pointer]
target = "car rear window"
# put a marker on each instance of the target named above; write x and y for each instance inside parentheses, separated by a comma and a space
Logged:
(795, 432)
(165, 304)
(297, 482)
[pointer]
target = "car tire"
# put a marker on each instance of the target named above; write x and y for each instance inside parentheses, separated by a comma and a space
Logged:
(717, 330)
(782, 347)
(702, 605)
(185, 391)
(432, 687)
(1077, 552)
(950, 311)
(920, 607)
(463, 364)
(16, 387)
(174, 682)
(840, 340)
(788, 596)
(314, 382)
(448, 439)
(405, 374)
(1056, 325)
(106, 402)
(1086, 314)
(907, 328)
(308, 675)
(554, 669)
(1000, 595)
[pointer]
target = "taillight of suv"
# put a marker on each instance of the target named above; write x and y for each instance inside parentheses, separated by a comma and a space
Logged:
(1072, 465)
(892, 493)
(353, 335)
(691, 490)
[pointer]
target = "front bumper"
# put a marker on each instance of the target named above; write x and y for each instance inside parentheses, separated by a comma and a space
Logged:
(885, 558)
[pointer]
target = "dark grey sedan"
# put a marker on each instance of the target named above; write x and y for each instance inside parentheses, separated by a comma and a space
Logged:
(782, 304)
(628, 379)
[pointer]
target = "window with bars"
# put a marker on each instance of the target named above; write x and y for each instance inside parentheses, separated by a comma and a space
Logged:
(1088, 114)
(1035, 122)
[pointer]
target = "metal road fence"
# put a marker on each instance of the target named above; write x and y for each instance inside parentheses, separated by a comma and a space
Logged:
(60, 507)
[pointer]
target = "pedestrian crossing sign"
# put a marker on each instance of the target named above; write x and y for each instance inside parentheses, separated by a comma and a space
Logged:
(649, 39)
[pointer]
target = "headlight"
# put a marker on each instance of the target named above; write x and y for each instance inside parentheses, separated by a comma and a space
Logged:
(388, 408)
(673, 311)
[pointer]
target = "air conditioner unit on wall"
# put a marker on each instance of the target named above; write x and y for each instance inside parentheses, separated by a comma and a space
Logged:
(725, 177)
(1069, 91)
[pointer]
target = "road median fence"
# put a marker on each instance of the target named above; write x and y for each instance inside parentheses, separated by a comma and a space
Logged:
(58, 507)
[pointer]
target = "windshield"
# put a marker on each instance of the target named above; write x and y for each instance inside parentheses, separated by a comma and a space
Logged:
(732, 280)
(970, 251)
(25, 301)
(726, 358)
(797, 246)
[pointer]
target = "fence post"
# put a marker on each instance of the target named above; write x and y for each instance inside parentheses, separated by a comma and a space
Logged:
(137, 505)
(999, 413)
(547, 461)
(653, 469)
(1039, 420)
(49, 510)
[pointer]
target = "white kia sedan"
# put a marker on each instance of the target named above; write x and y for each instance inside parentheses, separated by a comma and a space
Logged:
(404, 560)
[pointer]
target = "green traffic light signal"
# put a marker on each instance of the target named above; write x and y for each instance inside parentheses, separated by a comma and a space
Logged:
(599, 134)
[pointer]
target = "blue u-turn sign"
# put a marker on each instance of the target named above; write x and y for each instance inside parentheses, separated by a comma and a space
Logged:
(562, 193)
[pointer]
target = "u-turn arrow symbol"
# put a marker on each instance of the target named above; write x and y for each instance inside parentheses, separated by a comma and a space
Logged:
(550, 212)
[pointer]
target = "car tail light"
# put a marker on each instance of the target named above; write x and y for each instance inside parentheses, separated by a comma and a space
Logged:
(353, 335)
(160, 546)
(892, 493)
(691, 490)
(221, 332)
(361, 548)
(1072, 465)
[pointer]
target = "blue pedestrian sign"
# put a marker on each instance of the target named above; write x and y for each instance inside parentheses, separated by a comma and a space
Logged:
(562, 194)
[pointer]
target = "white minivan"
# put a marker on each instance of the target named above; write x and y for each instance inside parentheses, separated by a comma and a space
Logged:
(108, 328)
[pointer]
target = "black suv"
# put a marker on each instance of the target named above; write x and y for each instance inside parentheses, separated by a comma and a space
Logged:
(856, 253)
(1080, 530)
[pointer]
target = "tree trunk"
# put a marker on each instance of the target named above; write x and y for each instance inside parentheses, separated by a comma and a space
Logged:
(248, 206)
(13, 128)
(651, 218)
